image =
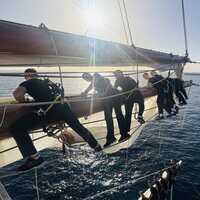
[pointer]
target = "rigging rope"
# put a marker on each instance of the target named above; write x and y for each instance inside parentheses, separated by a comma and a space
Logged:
(53, 76)
(3, 117)
(184, 26)
(171, 193)
(72, 100)
(194, 188)
(36, 184)
(128, 23)
(123, 21)
(59, 66)
(126, 184)
(160, 137)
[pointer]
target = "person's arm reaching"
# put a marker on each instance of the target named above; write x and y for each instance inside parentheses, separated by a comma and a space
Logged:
(19, 94)
(116, 85)
(84, 94)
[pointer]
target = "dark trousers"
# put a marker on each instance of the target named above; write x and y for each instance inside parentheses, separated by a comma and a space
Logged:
(19, 129)
(170, 95)
(183, 91)
(135, 97)
(163, 103)
(109, 104)
(180, 93)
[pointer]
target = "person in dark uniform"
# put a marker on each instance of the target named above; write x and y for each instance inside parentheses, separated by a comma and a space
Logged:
(103, 86)
(133, 95)
(179, 90)
(41, 92)
(170, 98)
(162, 93)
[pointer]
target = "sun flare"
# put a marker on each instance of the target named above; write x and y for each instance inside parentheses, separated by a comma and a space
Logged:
(94, 17)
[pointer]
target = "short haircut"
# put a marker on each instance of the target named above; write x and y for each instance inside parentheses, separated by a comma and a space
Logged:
(118, 72)
(30, 72)
(153, 71)
(145, 74)
(86, 75)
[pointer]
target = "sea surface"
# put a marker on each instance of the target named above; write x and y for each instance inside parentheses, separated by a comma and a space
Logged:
(82, 174)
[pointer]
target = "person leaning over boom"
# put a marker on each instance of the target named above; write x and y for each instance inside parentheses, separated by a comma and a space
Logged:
(41, 92)
(104, 87)
(179, 90)
(133, 96)
(169, 94)
(161, 95)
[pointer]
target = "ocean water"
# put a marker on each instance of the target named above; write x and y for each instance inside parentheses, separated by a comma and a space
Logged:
(81, 174)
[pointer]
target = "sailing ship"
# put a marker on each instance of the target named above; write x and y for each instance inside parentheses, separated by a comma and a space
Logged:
(25, 45)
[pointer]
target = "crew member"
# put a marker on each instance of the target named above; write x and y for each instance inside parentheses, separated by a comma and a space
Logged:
(161, 92)
(169, 90)
(40, 91)
(104, 87)
(179, 90)
(133, 95)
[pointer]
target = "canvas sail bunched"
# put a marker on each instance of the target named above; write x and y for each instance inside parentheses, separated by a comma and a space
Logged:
(29, 45)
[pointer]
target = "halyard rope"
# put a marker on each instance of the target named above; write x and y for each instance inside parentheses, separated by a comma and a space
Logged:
(123, 21)
(185, 32)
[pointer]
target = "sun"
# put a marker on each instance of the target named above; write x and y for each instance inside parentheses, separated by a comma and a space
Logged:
(94, 17)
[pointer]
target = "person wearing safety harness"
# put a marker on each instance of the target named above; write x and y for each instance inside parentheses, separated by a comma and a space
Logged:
(40, 91)
(132, 95)
(162, 102)
(170, 98)
(104, 87)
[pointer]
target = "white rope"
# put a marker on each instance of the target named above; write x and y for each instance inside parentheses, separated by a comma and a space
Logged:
(3, 117)
(36, 184)
(171, 193)
(57, 102)
(184, 115)
(42, 74)
(195, 188)
(198, 193)
(127, 154)
(75, 100)
(125, 184)
(59, 66)
(160, 137)
(120, 9)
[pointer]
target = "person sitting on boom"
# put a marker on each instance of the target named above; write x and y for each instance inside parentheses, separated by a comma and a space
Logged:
(133, 95)
(41, 92)
(104, 87)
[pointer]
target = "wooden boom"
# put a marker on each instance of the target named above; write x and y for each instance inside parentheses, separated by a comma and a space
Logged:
(80, 106)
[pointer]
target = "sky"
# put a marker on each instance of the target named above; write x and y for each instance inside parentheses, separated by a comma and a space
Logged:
(155, 24)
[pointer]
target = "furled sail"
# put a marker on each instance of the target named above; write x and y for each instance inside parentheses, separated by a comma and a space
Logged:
(29, 45)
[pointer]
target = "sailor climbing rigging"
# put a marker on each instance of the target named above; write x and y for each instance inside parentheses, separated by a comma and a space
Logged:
(179, 90)
(41, 92)
(169, 90)
(132, 95)
(162, 90)
(104, 87)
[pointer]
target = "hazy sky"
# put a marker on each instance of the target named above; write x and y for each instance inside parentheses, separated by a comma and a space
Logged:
(155, 24)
